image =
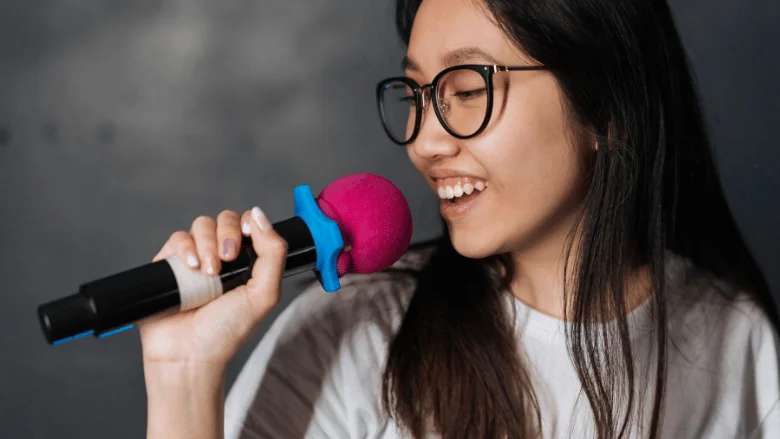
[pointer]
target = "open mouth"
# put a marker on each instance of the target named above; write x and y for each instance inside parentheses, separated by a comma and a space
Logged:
(463, 198)
(455, 191)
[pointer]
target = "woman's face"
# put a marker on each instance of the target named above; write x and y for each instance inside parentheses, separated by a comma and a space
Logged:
(526, 158)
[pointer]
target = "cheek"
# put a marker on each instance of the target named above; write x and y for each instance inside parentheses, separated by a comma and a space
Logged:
(537, 170)
(527, 150)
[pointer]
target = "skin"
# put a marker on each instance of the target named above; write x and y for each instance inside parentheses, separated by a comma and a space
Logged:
(535, 169)
(186, 354)
(536, 172)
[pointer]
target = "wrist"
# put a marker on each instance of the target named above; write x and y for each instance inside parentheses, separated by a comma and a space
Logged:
(184, 372)
(185, 400)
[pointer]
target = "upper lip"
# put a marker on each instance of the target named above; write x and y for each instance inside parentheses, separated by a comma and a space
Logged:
(437, 174)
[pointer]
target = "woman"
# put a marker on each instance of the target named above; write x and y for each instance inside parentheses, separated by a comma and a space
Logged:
(591, 281)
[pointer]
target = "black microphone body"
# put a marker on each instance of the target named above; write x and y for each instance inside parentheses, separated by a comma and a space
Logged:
(109, 305)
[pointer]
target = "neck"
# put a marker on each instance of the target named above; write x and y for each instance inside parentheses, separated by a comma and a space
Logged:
(538, 278)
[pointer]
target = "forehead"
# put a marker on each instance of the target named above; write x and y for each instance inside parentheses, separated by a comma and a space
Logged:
(443, 27)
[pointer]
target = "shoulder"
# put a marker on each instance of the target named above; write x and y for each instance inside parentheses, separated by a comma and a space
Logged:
(321, 360)
(724, 354)
(701, 307)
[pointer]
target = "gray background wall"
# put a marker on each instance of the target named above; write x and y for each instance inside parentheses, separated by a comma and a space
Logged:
(121, 122)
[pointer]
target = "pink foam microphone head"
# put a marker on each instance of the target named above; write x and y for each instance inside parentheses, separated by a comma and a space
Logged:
(374, 219)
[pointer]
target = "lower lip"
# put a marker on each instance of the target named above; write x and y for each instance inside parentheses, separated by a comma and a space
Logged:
(453, 211)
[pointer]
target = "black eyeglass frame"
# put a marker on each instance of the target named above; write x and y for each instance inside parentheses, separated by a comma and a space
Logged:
(486, 71)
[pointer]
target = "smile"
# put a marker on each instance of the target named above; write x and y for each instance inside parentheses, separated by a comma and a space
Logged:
(457, 187)
(459, 195)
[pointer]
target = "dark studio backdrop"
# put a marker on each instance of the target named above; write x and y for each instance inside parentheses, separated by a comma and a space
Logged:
(120, 122)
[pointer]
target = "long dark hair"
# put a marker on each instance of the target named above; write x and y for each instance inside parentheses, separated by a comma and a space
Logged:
(453, 365)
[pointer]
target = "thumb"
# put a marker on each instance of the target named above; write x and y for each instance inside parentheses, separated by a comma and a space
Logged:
(264, 286)
(236, 314)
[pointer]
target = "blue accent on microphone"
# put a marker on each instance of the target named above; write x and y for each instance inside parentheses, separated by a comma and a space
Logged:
(114, 331)
(328, 241)
(72, 337)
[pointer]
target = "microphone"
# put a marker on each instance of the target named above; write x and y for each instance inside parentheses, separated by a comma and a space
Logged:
(359, 223)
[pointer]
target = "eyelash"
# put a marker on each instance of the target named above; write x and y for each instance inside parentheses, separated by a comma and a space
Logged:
(467, 94)
(472, 93)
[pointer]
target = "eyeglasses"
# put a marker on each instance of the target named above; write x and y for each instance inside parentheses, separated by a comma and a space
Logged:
(462, 99)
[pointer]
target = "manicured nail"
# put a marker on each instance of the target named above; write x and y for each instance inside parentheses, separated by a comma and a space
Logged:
(260, 219)
(210, 267)
(192, 260)
(227, 247)
(246, 229)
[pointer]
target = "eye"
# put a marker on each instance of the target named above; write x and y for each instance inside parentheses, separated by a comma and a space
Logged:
(470, 94)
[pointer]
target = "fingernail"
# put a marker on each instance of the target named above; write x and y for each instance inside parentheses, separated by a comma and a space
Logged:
(260, 218)
(192, 260)
(227, 247)
(246, 229)
(210, 267)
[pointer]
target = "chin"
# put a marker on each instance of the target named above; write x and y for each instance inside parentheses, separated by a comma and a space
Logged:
(474, 245)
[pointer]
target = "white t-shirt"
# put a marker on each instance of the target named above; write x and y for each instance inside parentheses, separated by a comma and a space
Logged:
(317, 371)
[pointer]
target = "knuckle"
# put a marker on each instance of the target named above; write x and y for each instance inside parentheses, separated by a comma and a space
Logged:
(179, 236)
(278, 245)
(232, 230)
(207, 247)
(203, 228)
(208, 256)
(227, 215)
(185, 245)
(202, 220)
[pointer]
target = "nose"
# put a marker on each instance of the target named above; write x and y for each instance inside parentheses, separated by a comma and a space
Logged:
(432, 141)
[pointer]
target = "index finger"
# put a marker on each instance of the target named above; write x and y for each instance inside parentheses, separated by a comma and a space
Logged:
(168, 249)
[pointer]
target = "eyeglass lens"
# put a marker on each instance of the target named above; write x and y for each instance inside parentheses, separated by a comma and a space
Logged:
(462, 100)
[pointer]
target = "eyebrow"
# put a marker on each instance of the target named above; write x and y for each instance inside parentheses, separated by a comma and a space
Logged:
(454, 58)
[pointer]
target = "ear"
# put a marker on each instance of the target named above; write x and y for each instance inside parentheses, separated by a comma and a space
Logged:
(593, 139)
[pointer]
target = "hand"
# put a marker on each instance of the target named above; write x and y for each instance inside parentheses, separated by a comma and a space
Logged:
(212, 334)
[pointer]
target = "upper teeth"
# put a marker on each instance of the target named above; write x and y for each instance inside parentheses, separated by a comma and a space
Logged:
(459, 189)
